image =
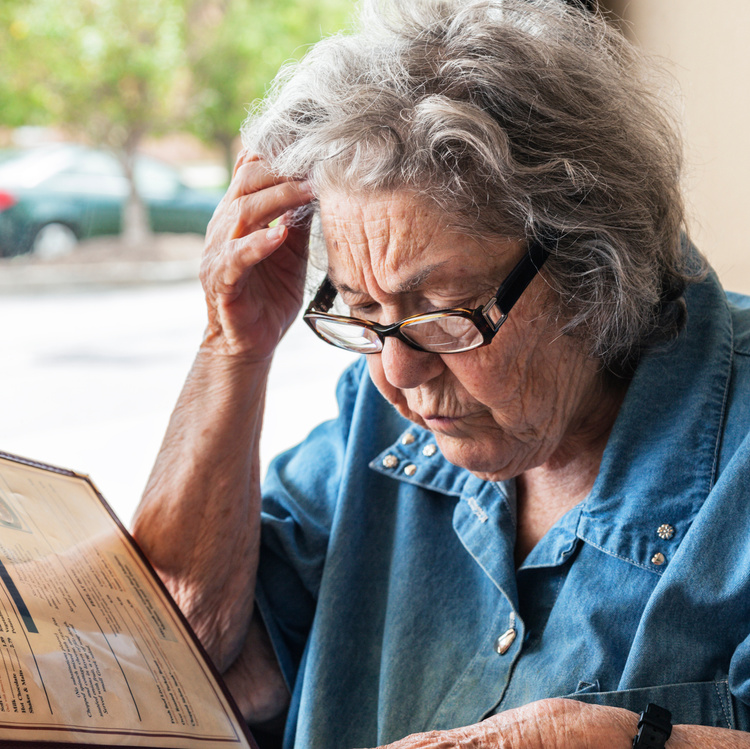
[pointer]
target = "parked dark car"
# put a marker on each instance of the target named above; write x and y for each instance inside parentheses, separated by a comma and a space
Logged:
(53, 197)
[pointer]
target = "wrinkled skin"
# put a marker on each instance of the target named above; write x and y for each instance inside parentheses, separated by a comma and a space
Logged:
(245, 263)
(566, 724)
(498, 410)
(529, 405)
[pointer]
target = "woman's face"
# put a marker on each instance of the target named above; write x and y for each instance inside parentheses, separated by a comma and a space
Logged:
(498, 410)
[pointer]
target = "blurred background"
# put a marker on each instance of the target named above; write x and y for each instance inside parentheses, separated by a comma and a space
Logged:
(119, 124)
(705, 48)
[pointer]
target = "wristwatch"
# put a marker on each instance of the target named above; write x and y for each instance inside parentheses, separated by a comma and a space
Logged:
(654, 728)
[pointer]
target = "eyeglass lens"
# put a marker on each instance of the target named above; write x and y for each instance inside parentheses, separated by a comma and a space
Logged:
(346, 335)
(441, 334)
(450, 333)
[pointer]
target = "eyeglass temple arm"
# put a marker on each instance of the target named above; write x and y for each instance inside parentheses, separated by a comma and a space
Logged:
(521, 276)
(323, 300)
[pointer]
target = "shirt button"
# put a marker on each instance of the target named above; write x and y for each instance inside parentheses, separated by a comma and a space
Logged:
(503, 643)
(665, 531)
(410, 470)
(658, 558)
(390, 461)
(408, 438)
(429, 450)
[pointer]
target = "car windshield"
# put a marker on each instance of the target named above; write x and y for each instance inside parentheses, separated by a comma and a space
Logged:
(30, 169)
(69, 168)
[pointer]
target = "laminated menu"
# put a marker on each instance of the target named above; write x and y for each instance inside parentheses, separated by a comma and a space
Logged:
(93, 651)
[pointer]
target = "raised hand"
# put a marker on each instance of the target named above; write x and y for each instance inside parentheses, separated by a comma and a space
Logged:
(253, 275)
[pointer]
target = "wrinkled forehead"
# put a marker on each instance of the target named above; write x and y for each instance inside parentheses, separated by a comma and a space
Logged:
(386, 237)
(385, 227)
(399, 242)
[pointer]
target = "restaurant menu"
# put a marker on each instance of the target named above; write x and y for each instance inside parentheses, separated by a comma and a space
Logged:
(93, 651)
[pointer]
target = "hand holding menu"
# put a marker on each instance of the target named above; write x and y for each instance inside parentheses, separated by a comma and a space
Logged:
(93, 651)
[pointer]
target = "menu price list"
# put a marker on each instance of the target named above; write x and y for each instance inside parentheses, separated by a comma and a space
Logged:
(92, 650)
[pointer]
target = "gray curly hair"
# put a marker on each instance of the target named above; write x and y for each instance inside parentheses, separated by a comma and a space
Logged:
(526, 118)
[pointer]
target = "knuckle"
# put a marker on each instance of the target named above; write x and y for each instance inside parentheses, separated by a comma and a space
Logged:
(244, 168)
(289, 192)
(250, 172)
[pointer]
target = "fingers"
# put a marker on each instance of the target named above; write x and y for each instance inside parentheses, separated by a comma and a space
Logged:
(251, 174)
(255, 198)
(226, 271)
(251, 271)
(257, 210)
(244, 157)
(249, 213)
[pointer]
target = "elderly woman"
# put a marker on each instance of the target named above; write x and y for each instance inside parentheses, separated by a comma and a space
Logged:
(530, 519)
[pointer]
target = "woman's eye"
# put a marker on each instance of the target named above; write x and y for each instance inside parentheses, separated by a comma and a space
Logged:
(371, 311)
(365, 311)
(436, 305)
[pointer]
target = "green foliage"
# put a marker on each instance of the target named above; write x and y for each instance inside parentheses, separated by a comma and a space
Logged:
(105, 68)
(115, 70)
(21, 100)
(236, 47)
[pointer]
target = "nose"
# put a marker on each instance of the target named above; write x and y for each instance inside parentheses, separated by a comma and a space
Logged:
(405, 367)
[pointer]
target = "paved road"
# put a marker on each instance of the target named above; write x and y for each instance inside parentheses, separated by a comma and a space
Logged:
(88, 380)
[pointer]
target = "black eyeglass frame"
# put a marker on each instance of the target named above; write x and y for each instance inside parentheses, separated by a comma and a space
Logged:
(487, 319)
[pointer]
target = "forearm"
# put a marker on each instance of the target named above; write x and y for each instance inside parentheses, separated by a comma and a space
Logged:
(706, 737)
(198, 521)
(567, 724)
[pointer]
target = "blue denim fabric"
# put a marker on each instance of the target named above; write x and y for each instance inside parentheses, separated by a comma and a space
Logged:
(385, 588)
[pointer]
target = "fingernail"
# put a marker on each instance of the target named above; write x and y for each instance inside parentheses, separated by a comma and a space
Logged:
(305, 186)
(276, 232)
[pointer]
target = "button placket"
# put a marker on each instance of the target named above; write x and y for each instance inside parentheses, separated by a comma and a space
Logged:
(390, 461)
(665, 532)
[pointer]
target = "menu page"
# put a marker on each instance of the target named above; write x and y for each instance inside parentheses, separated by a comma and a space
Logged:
(92, 649)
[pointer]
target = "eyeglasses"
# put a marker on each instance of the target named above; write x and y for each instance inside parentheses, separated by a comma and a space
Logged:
(447, 331)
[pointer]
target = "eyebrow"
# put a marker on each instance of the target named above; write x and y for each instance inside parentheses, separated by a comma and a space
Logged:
(410, 284)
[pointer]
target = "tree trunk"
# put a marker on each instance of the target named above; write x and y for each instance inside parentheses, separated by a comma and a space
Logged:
(136, 230)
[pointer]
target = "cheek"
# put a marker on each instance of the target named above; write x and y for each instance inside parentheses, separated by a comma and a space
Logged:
(511, 368)
(487, 375)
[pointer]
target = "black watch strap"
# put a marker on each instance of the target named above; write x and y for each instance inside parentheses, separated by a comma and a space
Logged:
(654, 728)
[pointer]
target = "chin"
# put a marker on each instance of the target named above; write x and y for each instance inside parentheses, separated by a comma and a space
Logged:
(478, 458)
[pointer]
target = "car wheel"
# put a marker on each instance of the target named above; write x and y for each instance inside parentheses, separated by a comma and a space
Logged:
(54, 240)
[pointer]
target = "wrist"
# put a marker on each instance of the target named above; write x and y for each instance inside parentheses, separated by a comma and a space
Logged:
(219, 351)
(654, 728)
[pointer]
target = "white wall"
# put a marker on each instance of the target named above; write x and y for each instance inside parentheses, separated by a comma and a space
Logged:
(707, 46)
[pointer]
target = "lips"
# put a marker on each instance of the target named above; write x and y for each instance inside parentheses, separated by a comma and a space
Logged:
(443, 417)
(442, 424)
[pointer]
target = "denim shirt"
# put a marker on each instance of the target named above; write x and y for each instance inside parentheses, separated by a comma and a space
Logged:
(387, 578)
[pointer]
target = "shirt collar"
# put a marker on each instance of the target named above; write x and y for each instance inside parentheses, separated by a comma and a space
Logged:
(661, 458)
(416, 459)
(644, 499)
